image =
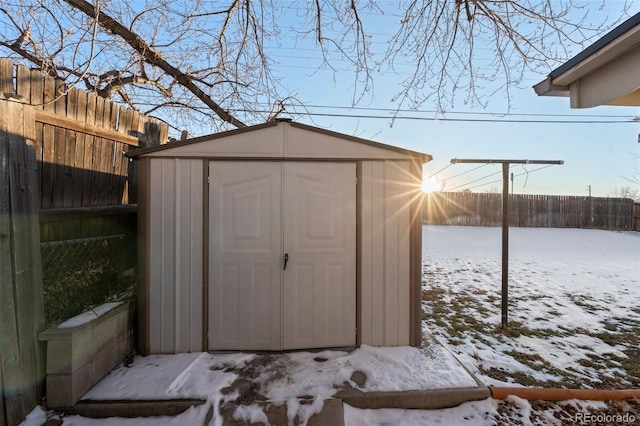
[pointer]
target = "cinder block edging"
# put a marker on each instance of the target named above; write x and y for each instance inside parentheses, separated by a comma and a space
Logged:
(79, 357)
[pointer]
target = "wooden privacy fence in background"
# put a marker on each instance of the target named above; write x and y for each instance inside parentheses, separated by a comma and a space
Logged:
(554, 211)
(80, 139)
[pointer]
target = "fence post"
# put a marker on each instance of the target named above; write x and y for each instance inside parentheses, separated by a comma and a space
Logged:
(21, 298)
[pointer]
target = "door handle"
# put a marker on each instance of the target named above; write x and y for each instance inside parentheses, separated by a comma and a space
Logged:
(286, 259)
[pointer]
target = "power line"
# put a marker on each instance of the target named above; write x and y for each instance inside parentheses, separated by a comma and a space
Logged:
(500, 180)
(460, 120)
(634, 119)
(620, 119)
(464, 173)
(474, 181)
(442, 169)
(492, 113)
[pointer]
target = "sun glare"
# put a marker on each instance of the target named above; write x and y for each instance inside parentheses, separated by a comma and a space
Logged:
(430, 184)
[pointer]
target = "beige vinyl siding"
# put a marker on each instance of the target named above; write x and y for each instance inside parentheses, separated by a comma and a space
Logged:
(300, 143)
(175, 256)
(265, 144)
(372, 247)
(284, 141)
(385, 274)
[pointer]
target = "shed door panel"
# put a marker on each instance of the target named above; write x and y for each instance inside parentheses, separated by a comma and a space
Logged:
(260, 211)
(245, 249)
(319, 287)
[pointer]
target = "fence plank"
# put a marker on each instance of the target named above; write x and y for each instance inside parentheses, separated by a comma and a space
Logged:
(37, 89)
(2, 410)
(48, 154)
(6, 78)
(90, 146)
(96, 175)
(23, 83)
(129, 122)
(34, 309)
(60, 147)
(80, 168)
(12, 386)
(70, 169)
(24, 252)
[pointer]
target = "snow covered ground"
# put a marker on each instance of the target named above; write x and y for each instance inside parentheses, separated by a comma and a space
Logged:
(574, 322)
(281, 379)
(574, 303)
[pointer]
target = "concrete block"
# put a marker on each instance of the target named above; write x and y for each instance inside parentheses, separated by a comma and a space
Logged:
(81, 348)
(64, 390)
(103, 362)
(122, 324)
(59, 357)
(78, 357)
(121, 345)
(104, 333)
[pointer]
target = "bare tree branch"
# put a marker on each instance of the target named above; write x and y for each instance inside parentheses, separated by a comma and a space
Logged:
(153, 57)
(209, 64)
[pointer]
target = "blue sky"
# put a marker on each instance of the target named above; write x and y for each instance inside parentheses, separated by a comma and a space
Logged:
(596, 155)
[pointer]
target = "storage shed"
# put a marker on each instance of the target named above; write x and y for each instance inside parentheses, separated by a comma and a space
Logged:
(278, 236)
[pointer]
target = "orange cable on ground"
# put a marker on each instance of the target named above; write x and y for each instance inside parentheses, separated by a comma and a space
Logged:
(551, 394)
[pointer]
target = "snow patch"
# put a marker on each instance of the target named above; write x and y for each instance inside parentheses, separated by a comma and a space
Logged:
(89, 316)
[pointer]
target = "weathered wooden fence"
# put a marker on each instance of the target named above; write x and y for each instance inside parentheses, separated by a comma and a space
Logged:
(485, 209)
(80, 139)
(21, 302)
(63, 175)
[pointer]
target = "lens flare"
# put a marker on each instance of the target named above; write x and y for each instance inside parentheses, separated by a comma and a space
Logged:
(431, 184)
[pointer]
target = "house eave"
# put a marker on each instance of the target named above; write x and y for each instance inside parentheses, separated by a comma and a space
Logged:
(547, 88)
(616, 44)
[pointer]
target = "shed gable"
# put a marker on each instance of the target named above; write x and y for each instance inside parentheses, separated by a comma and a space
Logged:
(280, 140)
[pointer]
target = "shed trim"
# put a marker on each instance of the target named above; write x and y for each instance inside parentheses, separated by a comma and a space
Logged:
(415, 269)
(205, 254)
(358, 254)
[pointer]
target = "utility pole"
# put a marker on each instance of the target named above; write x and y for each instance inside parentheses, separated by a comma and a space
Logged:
(505, 220)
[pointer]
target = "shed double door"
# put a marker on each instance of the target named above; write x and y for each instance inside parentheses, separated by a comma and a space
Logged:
(282, 255)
